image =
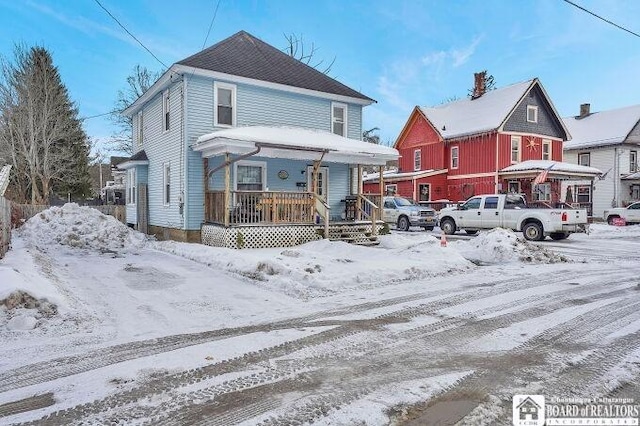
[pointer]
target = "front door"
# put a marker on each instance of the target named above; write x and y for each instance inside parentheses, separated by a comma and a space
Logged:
(323, 181)
(424, 193)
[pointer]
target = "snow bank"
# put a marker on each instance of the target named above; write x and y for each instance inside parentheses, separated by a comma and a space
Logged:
(324, 267)
(501, 246)
(603, 230)
(80, 227)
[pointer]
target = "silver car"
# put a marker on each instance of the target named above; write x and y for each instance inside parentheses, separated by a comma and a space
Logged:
(406, 213)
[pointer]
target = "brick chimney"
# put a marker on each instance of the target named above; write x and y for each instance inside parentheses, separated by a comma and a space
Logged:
(585, 110)
(479, 87)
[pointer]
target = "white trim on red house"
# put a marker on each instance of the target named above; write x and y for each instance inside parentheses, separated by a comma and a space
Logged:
(472, 175)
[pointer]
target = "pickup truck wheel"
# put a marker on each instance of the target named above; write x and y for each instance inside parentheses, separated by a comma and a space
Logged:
(448, 226)
(610, 219)
(533, 232)
(471, 231)
(403, 223)
(559, 236)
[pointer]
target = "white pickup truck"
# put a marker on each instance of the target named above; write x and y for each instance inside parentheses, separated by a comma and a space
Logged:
(511, 212)
(630, 214)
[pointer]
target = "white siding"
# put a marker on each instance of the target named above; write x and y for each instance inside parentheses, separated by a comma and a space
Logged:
(603, 192)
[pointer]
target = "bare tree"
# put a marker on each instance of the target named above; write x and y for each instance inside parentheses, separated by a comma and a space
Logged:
(140, 80)
(305, 54)
(371, 136)
(39, 128)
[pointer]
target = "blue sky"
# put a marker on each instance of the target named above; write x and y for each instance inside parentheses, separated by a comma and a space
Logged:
(401, 53)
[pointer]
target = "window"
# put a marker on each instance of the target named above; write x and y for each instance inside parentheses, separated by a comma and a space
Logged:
(633, 161)
(391, 189)
(339, 119)
(584, 159)
(417, 160)
(532, 113)
(140, 129)
(225, 100)
(454, 157)
(166, 185)
(542, 192)
(131, 187)
(166, 107)
(583, 193)
(491, 203)
(546, 149)
(250, 175)
(472, 204)
(514, 187)
(424, 192)
(516, 141)
(635, 192)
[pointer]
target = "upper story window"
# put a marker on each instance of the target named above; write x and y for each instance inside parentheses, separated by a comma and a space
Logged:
(532, 113)
(166, 109)
(417, 160)
(339, 119)
(454, 157)
(166, 184)
(225, 101)
(516, 143)
(633, 161)
(140, 126)
(584, 159)
(546, 149)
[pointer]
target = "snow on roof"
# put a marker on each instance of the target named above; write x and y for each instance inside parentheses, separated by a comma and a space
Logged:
(394, 174)
(632, 176)
(601, 128)
(294, 143)
(472, 116)
(538, 165)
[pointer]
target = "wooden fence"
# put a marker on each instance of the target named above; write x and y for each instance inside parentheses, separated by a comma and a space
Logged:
(5, 225)
(27, 211)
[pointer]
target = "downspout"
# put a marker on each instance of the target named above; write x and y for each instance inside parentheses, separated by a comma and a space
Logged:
(496, 180)
(184, 195)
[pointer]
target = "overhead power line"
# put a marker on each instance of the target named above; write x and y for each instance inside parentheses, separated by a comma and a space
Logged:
(96, 116)
(601, 18)
(215, 12)
(129, 32)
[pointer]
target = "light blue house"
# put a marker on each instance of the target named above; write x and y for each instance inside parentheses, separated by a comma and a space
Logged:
(241, 145)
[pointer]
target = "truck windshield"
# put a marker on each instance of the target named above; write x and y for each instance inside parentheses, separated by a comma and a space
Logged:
(402, 202)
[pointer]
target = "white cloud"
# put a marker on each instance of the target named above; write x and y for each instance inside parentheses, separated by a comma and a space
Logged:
(453, 57)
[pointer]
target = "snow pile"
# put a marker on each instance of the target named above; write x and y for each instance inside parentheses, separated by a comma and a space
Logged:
(20, 311)
(322, 268)
(603, 230)
(80, 227)
(502, 246)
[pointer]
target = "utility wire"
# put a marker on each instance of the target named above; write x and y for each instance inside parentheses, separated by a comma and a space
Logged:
(129, 32)
(215, 13)
(96, 116)
(601, 18)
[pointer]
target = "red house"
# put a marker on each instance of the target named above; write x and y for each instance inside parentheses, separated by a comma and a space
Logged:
(496, 142)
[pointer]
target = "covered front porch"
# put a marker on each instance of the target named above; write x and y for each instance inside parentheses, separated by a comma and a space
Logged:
(546, 183)
(283, 186)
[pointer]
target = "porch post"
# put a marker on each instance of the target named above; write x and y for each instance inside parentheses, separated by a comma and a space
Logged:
(359, 192)
(207, 202)
(227, 192)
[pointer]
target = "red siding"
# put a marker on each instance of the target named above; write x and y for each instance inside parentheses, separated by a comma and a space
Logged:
(420, 135)
(461, 189)
(530, 149)
(409, 188)
(476, 155)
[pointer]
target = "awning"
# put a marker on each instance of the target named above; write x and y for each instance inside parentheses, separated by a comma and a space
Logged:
(556, 170)
(395, 176)
(293, 143)
(137, 159)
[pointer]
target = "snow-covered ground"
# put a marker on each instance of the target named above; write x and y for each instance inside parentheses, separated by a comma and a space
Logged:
(93, 316)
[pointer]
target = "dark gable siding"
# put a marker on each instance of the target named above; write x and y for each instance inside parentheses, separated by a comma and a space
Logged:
(547, 122)
(634, 135)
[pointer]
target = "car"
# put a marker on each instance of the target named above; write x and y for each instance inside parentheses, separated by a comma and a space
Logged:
(406, 213)
(630, 214)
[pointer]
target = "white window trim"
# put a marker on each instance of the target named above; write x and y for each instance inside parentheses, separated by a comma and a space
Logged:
(550, 144)
(218, 85)
(262, 164)
(633, 161)
(389, 186)
(533, 108)
(140, 129)
(166, 107)
(519, 140)
(333, 118)
(166, 179)
(457, 157)
(417, 165)
(587, 154)
(131, 187)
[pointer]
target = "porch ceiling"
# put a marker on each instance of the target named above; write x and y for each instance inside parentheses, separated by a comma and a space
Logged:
(293, 143)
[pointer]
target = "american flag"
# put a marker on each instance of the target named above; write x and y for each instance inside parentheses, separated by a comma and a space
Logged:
(542, 177)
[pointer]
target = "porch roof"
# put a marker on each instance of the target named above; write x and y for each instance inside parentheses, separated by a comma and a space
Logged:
(632, 176)
(556, 169)
(394, 175)
(293, 143)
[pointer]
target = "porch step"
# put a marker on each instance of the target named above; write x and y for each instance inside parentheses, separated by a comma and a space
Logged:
(359, 234)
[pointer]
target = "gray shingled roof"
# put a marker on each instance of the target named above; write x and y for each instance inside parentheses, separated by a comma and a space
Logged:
(246, 56)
